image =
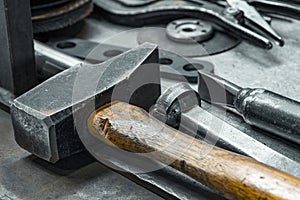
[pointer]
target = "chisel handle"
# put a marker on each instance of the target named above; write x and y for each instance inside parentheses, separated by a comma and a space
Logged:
(271, 112)
(234, 176)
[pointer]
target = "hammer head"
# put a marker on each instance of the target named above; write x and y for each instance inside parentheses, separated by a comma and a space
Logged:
(43, 118)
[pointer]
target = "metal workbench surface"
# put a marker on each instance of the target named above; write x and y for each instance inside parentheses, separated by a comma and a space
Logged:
(23, 176)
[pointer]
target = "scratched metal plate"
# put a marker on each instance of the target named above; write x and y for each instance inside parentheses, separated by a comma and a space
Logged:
(22, 176)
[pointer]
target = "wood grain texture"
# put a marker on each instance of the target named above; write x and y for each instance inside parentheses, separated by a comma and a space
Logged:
(231, 175)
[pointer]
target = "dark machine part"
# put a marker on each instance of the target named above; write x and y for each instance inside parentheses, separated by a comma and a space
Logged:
(172, 66)
(178, 106)
(18, 73)
(56, 15)
(191, 49)
(259, 107)
(164, 11)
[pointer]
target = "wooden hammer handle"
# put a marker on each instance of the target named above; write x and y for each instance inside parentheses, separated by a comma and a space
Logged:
(231, 175)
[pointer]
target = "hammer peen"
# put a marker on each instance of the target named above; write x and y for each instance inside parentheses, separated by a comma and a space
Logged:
(129, 127)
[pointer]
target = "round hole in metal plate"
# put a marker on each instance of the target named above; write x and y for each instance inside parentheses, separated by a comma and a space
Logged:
(112, 53)
(193, 67)
(66, 45)
(189, 29)
(165, 61)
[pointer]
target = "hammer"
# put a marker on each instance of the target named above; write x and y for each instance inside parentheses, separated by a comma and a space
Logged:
(133, 77)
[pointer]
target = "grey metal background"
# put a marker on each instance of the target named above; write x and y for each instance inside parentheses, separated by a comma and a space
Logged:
(22, 176)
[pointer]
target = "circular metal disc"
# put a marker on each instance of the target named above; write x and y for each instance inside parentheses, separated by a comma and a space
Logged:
(189, 30)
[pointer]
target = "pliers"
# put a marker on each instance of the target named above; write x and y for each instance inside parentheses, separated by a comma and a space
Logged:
(255, 20)
(238, 17)
(251, 9)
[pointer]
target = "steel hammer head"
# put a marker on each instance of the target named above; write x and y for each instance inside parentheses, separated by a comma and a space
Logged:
(43, 118)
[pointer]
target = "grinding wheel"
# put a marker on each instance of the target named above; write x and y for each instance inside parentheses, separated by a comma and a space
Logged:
(54, 15)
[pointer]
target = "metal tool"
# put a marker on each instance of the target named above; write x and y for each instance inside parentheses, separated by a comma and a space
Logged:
(229, 18)
(229, 174)
(177, 106)
(63, 123)
(259, 107)
(50, 115)
(81, 96)
(57, 137)
(51, 61)
(255, 20)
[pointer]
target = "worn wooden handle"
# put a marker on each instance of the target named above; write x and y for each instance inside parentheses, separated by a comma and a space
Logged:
(232, 175)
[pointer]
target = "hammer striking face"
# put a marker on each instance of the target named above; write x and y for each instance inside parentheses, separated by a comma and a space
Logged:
(43, 118)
